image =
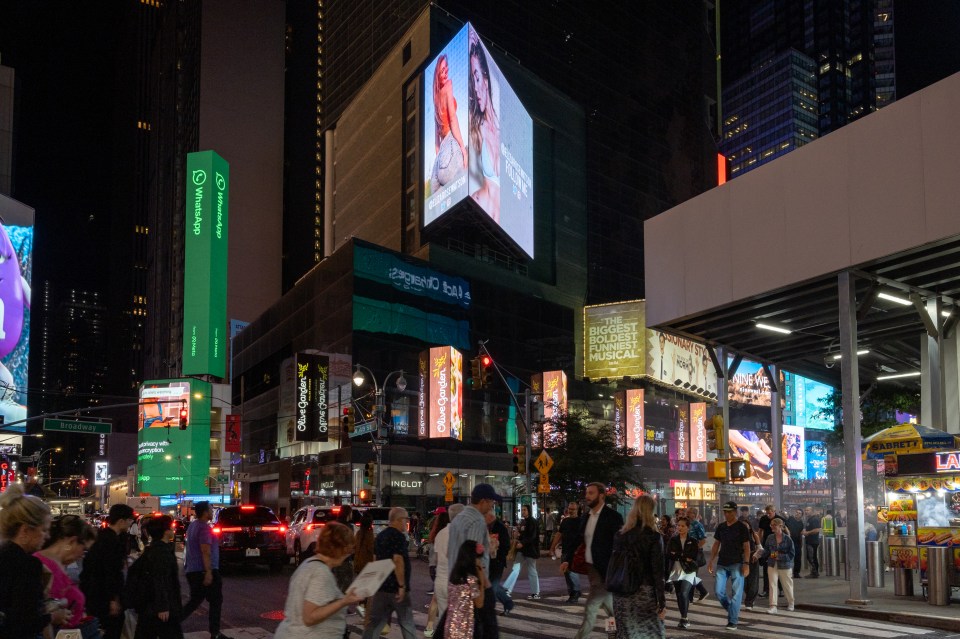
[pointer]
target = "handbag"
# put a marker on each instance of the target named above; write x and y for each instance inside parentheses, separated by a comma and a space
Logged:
(579, 563)
(623, 570)
(701, 558)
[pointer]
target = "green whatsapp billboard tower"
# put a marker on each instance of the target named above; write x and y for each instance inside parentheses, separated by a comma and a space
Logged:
(205, 265)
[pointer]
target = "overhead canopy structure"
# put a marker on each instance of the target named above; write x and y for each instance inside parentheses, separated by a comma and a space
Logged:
(848, 244)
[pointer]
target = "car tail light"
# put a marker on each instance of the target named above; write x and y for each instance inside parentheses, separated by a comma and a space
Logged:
(283, 529)
(217, 530)
(173, 525)
(248, 507)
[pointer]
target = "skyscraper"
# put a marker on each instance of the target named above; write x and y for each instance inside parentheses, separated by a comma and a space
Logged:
(642, 73)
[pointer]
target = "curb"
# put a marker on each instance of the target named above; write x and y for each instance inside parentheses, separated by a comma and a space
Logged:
(907, 618)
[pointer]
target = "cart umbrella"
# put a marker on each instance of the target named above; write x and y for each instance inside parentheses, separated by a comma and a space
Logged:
(908, 439)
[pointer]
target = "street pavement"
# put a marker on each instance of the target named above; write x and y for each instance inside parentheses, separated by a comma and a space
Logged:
(254, 600)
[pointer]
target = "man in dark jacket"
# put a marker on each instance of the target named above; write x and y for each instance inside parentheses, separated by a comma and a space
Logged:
(598, 527)
(160, 613)
(795, 526)
(102, 578)
(498, 560)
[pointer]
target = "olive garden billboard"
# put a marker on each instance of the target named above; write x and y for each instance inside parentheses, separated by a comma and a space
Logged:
(441, 393)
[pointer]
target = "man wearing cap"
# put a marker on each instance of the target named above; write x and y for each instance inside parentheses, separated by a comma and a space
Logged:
(731, 556)
(201, 565)
(598, 527)
(471, 525)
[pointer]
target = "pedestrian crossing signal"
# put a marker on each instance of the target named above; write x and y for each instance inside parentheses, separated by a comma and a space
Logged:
(740, 469)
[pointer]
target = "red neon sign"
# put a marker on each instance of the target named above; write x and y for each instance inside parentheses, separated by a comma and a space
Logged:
(948, 462)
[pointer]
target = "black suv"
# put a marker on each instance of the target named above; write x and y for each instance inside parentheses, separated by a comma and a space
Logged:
(251, 534)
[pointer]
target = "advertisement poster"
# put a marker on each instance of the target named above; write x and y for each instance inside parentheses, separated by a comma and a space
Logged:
(205, 265)
(101, 473)
(169, 459)
(680, 362)
(479, 140)
(551, 386)
(816, 454)
(698, 432)
(445, 399)
(755, 447)
(809, 397)
(423, 428)
(620, 419)
(233, 434)
(680, 443)
(16, 267)
(613, 340)
(749, 385)
(794, 454)
(635, 425)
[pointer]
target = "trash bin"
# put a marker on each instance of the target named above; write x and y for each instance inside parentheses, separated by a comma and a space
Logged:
(902, 582)
(874, 564)
(842, 556)
(830, 556)
(938, 576)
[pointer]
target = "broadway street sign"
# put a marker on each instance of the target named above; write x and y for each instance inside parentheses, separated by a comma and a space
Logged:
(75, 426)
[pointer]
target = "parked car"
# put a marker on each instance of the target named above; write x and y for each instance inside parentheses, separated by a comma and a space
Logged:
(305, 528)
(250, 534)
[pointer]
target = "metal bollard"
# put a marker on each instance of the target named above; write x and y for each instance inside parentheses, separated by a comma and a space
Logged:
(938, 576)
(903, 582)
(842, 556)
(874, 564)
(830, 556)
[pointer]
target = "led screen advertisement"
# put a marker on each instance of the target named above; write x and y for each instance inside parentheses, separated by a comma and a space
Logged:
(628, 420)
(310, 410)
(809, 398)
(698, 432)
(169, 459)
(16, 267)
(441, 394)
(757, 449)
(478, 140)
(749, 385)
(551, 387)
(613, 340)
(205, 265)
(680, 362)
(794, 453)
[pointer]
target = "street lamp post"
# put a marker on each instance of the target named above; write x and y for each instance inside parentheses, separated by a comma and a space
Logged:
(179, 480)
(39, 458)
(380, 407)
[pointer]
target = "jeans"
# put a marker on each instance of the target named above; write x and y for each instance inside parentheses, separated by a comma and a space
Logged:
(811, 551)
(382, 604)
(533, 577)
(597, 597)
(212, 593)
(573, 582)
(730, 604)
(511, 579)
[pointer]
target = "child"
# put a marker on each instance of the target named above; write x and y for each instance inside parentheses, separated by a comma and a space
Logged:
(465, 591)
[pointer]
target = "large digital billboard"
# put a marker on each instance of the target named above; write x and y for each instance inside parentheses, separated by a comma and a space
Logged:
(749, 385)
(680, 362)
(613, 340)
(698, 432)
(205, 265)
(441, 393)
(310, 410)
(478, 140)
(756, 447)
(169, 459)
(809, 397)
(628, 420)
(16, 266)
(551, 387)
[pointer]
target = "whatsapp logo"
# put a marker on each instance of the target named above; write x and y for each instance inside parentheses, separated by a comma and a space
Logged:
(199, 177)
(221, 182)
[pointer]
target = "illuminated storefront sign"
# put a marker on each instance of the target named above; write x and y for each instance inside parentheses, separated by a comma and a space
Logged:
(613, 340)
(947, 462)
(444, 400)
(170, 459)
(388, 268)
(698, 432)
(694, 491)
(205, 265)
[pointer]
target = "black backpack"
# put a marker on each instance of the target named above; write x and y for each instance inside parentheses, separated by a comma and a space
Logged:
(136, 592)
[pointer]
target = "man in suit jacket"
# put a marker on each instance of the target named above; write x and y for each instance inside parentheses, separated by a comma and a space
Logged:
(598, 526)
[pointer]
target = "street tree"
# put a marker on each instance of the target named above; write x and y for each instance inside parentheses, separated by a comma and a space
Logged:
(878, 409)
(585, 451)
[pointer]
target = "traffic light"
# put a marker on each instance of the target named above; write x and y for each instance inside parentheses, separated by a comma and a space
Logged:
(740, 469)
(83, 484)
(486, 371)
(370, 472)
(475, 373)
(183, 417)
(366, 496)
(715, 434)
(519, 460)
(347, 423)
(717, 470)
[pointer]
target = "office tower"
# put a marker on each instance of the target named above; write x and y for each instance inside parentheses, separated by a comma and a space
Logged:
(7, 96)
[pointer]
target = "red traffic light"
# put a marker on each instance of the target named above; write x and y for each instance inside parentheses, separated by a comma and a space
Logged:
(183, 418)
(83, 482)
(516, 450)
(485, 360)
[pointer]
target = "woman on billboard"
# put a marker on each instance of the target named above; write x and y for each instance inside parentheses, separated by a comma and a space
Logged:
(451, 158)
(484, 131)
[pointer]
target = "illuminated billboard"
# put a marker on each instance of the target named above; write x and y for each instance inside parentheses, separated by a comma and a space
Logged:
(478, 140)
(633, 401)
(441, 393)
(749, 385)
(613, 340)
(680, 362)
(101, 473)
(756, 447)
(310, 410)
(698, 432)
(205, 265)
(551, 386)
(16, 267)
(793, 450)
(809, 402)
(169, 459)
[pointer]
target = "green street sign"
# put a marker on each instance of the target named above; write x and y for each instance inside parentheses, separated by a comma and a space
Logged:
(76, 426)
(364, 428)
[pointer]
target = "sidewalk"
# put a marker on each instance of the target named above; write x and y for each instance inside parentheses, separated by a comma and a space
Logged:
(829, 594)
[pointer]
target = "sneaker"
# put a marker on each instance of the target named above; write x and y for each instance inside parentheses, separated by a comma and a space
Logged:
(534, 596)
(683, 624)
(772, 610)
(430, 592)
(509, 593)
(748, 607)
(731, 626)
(790, 607)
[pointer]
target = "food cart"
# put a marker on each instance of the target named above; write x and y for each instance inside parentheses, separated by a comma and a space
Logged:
(922, 497)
